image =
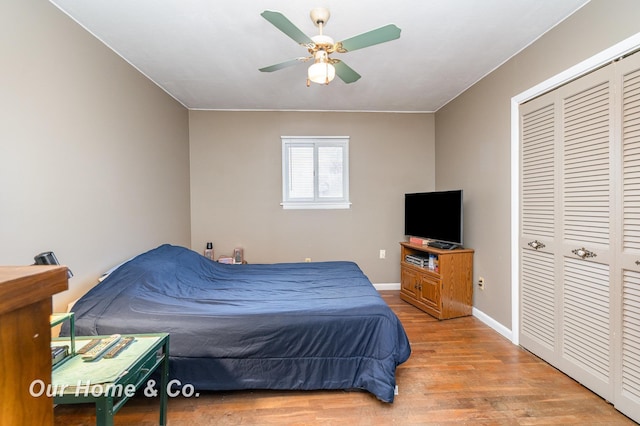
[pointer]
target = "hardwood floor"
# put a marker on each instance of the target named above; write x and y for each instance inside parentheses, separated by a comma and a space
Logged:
(460, 372)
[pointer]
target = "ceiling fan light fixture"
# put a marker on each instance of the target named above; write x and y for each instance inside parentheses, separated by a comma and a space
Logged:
(322, 71)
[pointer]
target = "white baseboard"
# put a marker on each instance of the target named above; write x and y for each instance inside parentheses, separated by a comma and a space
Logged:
(493, 323)
(387, 286)
(475, 312)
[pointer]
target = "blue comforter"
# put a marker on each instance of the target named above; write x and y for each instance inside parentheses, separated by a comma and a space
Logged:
(267, 326)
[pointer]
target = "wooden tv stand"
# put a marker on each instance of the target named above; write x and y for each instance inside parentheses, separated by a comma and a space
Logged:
(445, 291)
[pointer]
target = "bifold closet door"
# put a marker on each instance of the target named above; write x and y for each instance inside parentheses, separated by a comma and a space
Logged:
(580, 231)
(627, 398)
(588, 210)
(566, 212)
(538, 229)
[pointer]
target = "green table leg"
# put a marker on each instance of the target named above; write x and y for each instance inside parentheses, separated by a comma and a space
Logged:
(104, 411)
(164, 382)
(72, 326)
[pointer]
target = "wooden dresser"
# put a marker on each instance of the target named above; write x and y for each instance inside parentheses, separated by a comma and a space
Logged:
(25, 340)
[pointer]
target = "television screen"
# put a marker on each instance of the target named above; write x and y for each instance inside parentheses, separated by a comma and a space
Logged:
(434, 216)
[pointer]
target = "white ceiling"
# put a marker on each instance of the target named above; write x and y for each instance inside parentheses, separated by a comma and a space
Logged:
(206, 53)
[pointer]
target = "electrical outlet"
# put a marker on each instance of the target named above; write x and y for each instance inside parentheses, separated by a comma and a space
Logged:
(383, 254)
(481, 283)
(307, 259)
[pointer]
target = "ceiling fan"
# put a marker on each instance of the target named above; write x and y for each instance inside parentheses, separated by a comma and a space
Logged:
(325, 68)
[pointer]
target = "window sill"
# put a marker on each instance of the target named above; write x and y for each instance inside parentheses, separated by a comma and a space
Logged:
(316, 206)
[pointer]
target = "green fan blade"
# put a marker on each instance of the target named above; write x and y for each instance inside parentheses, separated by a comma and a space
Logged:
(346, 73)
(380, 35)
(286, 26)
(281, 65)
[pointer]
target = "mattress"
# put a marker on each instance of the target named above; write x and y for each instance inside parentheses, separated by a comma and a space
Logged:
(319, 325)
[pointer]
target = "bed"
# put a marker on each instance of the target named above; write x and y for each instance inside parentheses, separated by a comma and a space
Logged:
(298, 326)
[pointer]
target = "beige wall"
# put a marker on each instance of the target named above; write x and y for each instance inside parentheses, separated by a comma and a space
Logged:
(473, 137)
(94, 158)
(236, 186)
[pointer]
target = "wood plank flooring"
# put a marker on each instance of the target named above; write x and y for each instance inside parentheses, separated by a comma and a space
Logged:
(460, 372)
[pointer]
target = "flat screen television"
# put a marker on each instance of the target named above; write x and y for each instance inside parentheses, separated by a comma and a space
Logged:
(435, 216)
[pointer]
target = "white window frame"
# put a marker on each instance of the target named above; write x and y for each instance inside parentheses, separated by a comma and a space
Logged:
(316, 202)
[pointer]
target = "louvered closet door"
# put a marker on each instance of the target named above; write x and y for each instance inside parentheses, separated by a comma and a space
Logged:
(586, 337)
(566, 195)
(627, 397)
(593, 255)
(539, 202)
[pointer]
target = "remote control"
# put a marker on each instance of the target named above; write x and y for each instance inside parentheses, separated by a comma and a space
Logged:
(119, 347)
(101, 347)
(92, 343)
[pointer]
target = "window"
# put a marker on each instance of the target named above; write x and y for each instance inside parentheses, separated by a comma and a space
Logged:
(315, 172)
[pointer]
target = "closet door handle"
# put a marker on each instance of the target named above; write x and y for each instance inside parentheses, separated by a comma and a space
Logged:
(583, 253)
(535, 244)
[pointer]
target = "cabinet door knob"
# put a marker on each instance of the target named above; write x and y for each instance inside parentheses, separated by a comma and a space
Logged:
(638, 262)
